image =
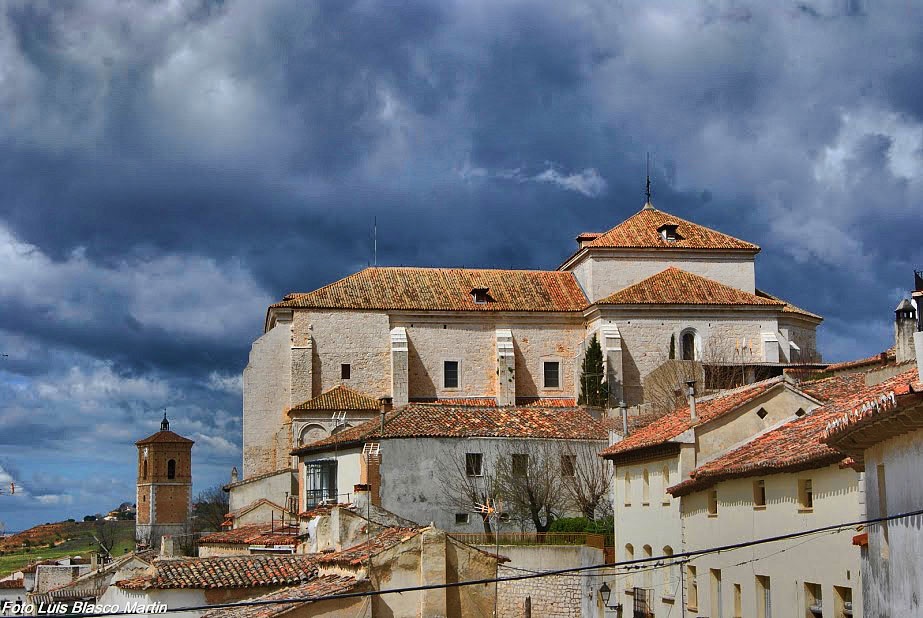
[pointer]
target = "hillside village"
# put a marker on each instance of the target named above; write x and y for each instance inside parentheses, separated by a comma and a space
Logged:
(640, 432)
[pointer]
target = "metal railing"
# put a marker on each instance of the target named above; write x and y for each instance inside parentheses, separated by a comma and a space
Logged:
(532, 538)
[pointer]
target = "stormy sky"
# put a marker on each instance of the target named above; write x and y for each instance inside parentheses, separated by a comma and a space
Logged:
(167, 169)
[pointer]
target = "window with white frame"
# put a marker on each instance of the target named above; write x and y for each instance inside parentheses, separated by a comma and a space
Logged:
(551, 371)
(451, 374)
(474, 464)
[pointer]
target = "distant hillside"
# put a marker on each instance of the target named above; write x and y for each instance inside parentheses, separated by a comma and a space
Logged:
(62, 539)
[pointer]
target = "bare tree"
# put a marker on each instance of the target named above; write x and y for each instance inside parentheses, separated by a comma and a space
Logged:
(530, 481)
(468, 483)
(105, 535)
(586, 478)
(209, 509)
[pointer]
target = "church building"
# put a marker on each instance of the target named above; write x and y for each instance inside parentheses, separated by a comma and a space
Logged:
(164, 486)
(653, 289)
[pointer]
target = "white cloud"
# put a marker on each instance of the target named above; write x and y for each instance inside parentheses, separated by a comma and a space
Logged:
(587, 182)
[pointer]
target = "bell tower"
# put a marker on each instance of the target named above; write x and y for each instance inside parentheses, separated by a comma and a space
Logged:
(164, 486)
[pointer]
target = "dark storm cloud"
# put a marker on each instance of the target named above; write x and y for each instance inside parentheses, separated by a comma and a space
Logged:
(167, 170)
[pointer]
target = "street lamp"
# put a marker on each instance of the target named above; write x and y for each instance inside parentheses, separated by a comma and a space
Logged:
(606, 593)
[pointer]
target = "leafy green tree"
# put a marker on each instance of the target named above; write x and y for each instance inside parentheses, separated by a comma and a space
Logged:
(594, 391)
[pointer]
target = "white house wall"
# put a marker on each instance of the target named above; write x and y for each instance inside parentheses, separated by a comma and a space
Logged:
(892, 586)
(827, 559)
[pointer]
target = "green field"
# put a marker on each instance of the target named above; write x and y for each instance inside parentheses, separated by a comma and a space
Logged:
(79, 542)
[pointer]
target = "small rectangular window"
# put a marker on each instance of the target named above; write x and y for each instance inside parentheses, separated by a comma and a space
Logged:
(713, 503)
(462, 518)
(569, 465)
(738, 602)
(763, 597)
(813, 602)
(842, 602)
(552, 371)
(759, 493)
(473, 463)
(450, 374)
(345, 371)
(692, 589)
(805, 494)
(520, 464)
(715, 593)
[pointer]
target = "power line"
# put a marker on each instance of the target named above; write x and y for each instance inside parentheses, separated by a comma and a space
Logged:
(689, 555)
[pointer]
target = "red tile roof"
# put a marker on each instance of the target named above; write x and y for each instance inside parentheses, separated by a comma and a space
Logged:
(12, 584)
(491, 402)
(165, 437)
(882, 358)
(253, 534)
(319, 587)
(418, 420)
(675, 423)
(834, 387)
(796, 445)
(678, 287)
(445, 289)
(339, 397)
(641, 230)
(356, 555)
(226, 572)
(478, 402)
(789, 308)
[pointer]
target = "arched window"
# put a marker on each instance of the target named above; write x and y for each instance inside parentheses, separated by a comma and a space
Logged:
(648, 571)
(665, 474)
(629, 556)
(668, 574)
(312, 433)
(627, 488)
(171, 469)
(689, 345)
(645, 487)
(144, 469)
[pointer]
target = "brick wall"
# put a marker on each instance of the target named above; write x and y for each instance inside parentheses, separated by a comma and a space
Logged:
(557, 595)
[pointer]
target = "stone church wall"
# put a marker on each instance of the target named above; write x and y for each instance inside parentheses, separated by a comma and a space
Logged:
(359, 338)
(267, 395)
(609, 274)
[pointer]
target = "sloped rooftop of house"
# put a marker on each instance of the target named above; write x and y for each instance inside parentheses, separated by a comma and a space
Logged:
(642, 231)
(445, 289)
(319, 587)
(166, 436)
(249, 571)
(796, 445)
(355, 555)
(671, 425)
(678, 287)
(253, 534)
(12, 584)
(340, 397)
(417, 420)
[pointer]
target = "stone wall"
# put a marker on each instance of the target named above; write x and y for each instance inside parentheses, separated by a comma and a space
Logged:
(359, 338)
(610, 273)
(557, 595)
(646, 338)
(267, 396)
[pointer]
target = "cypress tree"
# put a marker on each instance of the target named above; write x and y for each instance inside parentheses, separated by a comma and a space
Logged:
(594, 391)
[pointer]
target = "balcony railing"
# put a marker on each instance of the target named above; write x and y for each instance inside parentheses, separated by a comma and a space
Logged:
(532, 538)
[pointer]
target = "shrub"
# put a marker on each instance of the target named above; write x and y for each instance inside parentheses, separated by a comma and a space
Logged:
(569, 524)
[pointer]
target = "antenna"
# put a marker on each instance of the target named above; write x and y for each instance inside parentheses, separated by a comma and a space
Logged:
(375, 240)
(647, 190)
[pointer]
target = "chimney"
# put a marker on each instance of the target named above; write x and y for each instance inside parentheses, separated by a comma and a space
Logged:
(690, 397)
(166, 546)
(905, 324)
(384, 406)
(624, 409)
(234, 474)
(362, 497)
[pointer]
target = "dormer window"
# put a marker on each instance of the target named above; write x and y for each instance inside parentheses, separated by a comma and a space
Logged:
(668, 232)
(480, 295)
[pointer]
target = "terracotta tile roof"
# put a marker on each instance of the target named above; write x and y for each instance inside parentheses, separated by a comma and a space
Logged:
(356, 555)
(641, 230)
(788, 308)
(874, 404)
(417, 420)
(478, 402)
(340, 397)
(673, 424)
(882, 358)
(258, 477)
(678, 287)
(834, 387)
(546, 402)
(33, 567)
(318, 587)
(165, 437)
(445, 289)
(12, 584)
(796, 445)
(253, 534)
(226, 572)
